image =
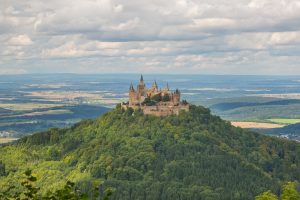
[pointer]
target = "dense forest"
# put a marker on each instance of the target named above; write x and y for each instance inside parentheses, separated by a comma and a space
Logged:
(191, 156)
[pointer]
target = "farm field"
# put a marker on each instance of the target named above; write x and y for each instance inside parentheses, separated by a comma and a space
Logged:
(284, 121)
(47, 112)
(27, 106)
(255, 125)
(7, 140)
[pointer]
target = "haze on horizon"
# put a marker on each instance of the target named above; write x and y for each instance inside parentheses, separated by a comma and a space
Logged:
(171, 36)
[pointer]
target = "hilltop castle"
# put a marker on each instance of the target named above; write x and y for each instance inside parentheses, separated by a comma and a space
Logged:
(154, 101)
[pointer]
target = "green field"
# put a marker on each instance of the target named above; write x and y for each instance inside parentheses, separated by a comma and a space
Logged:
(284, 121)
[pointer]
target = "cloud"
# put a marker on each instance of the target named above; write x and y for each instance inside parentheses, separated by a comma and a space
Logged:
(171, 36)
(8, 71)
(20, 40)
(281, 38)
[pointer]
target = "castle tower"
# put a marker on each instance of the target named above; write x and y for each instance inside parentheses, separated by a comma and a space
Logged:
(141, 86)
(166, 92)
(166, 89)
(132, 95)
(176, 97)
(154, 87)
(142, 79)
(141, 90)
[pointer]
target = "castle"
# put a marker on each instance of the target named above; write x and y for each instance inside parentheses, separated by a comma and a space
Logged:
(154, 101)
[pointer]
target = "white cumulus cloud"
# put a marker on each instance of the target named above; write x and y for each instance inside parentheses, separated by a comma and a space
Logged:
(172, 36)
(20, 40)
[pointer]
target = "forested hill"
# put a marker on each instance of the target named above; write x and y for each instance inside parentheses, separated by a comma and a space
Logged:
(191, 156)
(290, 129)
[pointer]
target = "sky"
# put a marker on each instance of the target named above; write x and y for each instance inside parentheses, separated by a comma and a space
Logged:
(150, 36)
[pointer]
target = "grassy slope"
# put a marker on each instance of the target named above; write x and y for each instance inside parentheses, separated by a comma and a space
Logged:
(194, 155)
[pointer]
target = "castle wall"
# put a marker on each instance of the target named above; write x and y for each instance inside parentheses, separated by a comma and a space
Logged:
(164, 110)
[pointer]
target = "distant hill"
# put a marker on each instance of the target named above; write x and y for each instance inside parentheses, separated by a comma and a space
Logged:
(19, 125)
(290, 129)
(255, 108)
(191, 156)
(293, 130)
(4, 111)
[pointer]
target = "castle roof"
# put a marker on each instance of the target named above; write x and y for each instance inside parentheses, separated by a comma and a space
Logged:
(155, 85)
(131, 87)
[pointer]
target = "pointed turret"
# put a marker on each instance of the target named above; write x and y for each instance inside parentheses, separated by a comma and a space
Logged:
(131, 88)
(141, 79)
(154, 85)
(141, 90)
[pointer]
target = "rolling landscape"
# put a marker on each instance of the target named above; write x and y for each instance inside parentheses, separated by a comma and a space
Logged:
(31, 104)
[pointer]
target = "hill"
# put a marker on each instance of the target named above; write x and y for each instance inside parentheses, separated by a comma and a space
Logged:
(255, 108)
(293, 129)
(191, 156)
(21, 123)
(290, 131)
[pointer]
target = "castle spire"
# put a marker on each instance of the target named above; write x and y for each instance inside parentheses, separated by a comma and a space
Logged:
(141, 79)
(155, 85)
(131, 87)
